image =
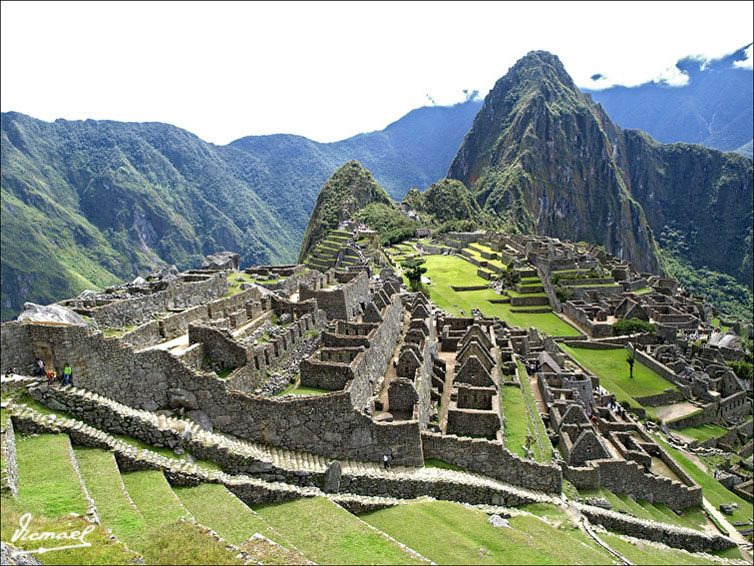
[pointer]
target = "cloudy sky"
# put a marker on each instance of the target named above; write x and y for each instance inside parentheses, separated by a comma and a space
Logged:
(327, 71)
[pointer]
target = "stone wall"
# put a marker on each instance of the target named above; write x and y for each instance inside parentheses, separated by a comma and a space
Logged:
(471, 422)
(623, 476)
(676, 537)
(343, 303)
(492, 459)
(179, 294)
(665, 398)
(703, 416)
(251, 491)
(144, 335)
(177, 324)
(219, 346)
(9, 480)
(327, 424)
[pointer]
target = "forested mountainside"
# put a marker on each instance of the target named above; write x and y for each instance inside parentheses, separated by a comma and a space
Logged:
(714, 108)
(545, 158)
(89, 203)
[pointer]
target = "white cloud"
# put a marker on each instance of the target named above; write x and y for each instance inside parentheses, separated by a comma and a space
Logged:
(672, 76)
(326, 70)
(746, 63)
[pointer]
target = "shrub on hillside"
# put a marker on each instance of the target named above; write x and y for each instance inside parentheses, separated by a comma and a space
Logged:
(631, 325)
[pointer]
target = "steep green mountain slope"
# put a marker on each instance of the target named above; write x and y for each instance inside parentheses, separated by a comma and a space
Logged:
(546, 159)
(350, 189)
(542, 157)
(445, 201)
(713, 109)
(88, 203)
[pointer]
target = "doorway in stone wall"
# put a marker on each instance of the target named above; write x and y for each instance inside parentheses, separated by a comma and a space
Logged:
(44, 351)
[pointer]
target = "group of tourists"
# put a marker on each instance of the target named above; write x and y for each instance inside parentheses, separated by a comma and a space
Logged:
(617, 409)
(51, 375)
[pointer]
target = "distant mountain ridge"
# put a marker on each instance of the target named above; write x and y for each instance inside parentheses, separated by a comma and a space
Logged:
(89, 203)
(713, 109)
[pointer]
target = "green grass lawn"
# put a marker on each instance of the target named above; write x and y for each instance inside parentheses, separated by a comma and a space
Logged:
(214, 506)
(703, 432)
(449, 533)
(611, 367)
(692, 518)
(50, 491)
(537, 420)
(478, 256)
(639, 553)
(445, 271)
(102, 480)
(167, 539)
(152, 495)
(48, 484)
(713, 491)
(516, 427)
(328, 534)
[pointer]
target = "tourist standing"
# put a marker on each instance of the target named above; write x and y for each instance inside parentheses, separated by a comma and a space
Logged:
(385, 464)
(41, 368)
(67, 371)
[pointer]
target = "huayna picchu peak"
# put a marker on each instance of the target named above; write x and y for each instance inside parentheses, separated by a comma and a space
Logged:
(544, 357)
(546, 159)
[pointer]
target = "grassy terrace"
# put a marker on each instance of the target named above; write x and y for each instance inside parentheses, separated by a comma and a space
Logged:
(445, 271)
(703, 432)
(713, 491)
(49, 489)
(214, 506)
(449, 533)
(639, 553)
(535, 420)
(611, 367)
(478, 256)
(328, 534)
(692, 518)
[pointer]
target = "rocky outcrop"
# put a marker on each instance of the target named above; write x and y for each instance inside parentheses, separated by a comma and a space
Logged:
(50, 313)
(222, 261)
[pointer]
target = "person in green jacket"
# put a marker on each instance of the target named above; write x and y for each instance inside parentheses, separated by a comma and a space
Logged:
(67, 371)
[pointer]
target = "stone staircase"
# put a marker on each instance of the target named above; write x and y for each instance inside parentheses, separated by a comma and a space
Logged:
(268, 463)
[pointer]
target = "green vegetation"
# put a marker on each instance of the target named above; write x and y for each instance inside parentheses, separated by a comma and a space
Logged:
(345, 540)
(517, 422)
(535, 421)
(413, 271)
(632, 325)
(214, 506)
(49, 489)
(349, 189)
(152, 495)
(449, 533)
(611, 367)
(713, 490)
(720, 289)
(703, 432)
(640, 553)
(692, 518)
(48, 484)
(391, 225)
(445, 271)
(102, 479)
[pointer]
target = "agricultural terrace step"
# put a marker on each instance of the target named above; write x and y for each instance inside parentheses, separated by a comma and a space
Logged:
(255, 456)
(131, 458)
